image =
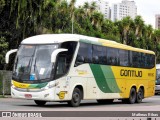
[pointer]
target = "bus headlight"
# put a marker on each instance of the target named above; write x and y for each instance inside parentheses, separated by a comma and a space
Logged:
(51, 85)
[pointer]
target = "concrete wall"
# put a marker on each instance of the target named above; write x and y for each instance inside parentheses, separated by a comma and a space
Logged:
(5, 82)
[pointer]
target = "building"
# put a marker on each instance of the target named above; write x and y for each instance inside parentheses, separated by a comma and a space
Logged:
(104, 8)
(123, 9)
(157, 20)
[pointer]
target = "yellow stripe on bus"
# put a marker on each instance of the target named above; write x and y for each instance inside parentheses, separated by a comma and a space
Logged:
(20, 85)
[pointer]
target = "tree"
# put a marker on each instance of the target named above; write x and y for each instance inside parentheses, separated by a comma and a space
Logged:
(97, 20)
(126, 23)
(2, 4)
(139, 23)
(3, 50)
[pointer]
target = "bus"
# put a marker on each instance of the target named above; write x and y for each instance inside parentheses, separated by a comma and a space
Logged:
(71, 67)
(157, 88)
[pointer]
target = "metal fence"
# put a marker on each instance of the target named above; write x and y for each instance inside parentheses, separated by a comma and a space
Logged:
(5, 82)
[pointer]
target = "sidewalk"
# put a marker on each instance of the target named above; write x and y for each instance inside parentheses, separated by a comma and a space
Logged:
(5, 96)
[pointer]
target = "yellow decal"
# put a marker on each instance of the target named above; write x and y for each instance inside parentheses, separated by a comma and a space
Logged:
(126, 77)
(62, 94)
(20, 85)
(81, 72)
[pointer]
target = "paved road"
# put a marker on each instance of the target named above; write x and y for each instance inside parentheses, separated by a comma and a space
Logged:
(149, 104)
(152, 104)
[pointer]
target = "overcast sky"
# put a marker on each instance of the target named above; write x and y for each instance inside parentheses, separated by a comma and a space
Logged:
(146, 8)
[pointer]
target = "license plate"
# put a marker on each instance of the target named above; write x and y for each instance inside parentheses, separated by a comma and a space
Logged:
(28, 96)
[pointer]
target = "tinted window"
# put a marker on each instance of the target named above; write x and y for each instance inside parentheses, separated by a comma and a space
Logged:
(124, 57)
(96, 54)
(112, 56)
(99, 55)
(150, 61)
(136, 57)
(84, 54)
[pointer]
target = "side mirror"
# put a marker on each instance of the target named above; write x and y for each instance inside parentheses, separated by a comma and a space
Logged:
(8, 54)
(55, 53)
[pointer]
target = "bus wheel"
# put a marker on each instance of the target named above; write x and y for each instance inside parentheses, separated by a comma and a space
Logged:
(76, 98)
(132, 96)
(106, 101)
(140, 95)
(40, 102)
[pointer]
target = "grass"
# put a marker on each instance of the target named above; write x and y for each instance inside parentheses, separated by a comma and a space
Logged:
(1, 96)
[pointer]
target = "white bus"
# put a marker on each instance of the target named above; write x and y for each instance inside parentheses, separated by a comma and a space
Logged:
(70, 68)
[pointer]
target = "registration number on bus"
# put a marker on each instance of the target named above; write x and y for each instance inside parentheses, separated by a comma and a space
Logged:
(28, 96)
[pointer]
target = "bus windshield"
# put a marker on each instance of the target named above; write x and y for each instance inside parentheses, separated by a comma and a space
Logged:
(33, 62)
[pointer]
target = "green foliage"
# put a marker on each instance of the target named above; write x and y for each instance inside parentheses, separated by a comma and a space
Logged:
(24, 18)
(2, 4)
(3, 50)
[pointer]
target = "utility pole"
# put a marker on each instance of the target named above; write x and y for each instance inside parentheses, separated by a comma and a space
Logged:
(73, 23)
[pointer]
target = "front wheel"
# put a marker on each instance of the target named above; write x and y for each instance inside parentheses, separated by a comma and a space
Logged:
(76, 98)
(40, 102)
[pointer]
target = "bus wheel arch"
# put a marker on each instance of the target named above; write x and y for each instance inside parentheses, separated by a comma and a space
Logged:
(77, 96)
(140, 94)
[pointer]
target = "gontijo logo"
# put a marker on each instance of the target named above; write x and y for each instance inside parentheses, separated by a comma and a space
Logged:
(130, 73)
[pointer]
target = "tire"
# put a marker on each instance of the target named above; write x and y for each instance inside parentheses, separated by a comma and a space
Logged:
(76, 98)
(132, 96)
(40, 102)
(140, 95)
(105, 101)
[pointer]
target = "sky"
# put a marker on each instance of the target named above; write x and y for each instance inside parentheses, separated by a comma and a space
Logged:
(146, 8)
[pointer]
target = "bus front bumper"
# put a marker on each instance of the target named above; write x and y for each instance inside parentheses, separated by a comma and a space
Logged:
(46, 94)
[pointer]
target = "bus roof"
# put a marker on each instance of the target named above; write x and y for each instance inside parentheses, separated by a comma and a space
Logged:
(59, 38)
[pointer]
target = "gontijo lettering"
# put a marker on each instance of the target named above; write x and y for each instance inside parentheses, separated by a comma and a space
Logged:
(130, 73)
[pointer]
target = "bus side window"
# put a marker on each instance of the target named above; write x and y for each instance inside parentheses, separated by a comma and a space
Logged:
(136, 59)
(84, 54)
(112, 56)
(99, 55)
(124, 57)
(150, 61)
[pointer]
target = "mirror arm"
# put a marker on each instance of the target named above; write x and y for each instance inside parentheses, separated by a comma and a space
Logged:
(8, 54)
(55, 53)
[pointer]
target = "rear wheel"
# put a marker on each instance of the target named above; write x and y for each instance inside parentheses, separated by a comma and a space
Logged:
(105, 101)
(39, 102)
(76, 98)
(140, 95)
(132, 96)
